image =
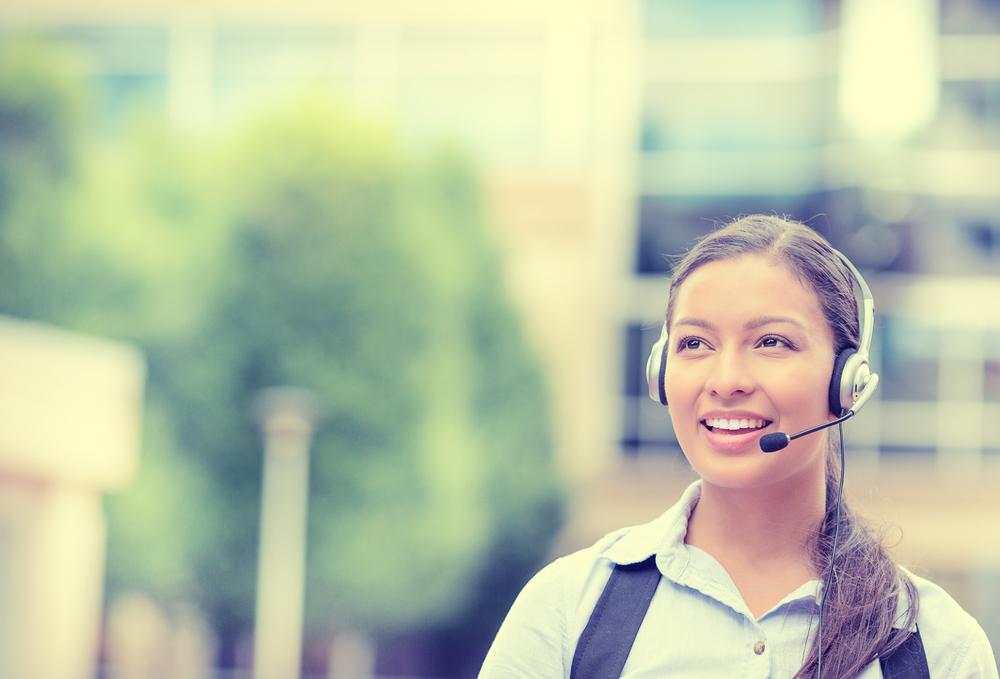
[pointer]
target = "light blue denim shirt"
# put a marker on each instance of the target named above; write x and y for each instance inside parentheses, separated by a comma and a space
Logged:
(698, 624)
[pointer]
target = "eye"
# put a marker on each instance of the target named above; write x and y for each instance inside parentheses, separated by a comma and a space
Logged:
(774, 342)
(691, 344)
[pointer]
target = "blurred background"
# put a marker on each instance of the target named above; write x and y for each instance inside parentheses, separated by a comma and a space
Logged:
(324, 324)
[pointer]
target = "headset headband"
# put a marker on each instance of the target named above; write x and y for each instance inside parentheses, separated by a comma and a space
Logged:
(867, 317)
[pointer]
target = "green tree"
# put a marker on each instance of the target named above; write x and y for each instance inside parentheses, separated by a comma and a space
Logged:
(369, 279)
(41, 120)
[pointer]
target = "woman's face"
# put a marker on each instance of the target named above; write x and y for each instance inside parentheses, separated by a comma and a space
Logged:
(749, 353)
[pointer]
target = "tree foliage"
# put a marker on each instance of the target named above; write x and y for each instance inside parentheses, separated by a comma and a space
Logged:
(310, 250)
(41, 107)
(367, 277)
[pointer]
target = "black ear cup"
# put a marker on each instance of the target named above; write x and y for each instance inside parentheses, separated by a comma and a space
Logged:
(836, 380)
(851, 376)
(662, 377)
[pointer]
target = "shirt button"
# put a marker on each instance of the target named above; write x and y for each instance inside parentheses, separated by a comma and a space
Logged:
(758, 648)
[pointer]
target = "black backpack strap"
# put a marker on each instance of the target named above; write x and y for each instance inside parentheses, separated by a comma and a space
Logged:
(908, 661)
(606, 641)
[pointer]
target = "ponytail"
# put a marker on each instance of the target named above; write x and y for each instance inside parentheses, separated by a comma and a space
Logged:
(861, 607)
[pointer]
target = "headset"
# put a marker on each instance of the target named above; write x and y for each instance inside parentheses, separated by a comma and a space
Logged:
(851, 384)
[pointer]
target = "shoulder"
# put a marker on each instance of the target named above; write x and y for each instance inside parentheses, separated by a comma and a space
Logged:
(954, 643)
(539, 635)
(572, 584)
(581, 576)
(585, 573)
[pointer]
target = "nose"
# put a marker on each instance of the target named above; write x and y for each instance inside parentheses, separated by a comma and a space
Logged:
(730, 375)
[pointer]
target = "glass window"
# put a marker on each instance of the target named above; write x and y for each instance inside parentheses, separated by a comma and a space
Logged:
(991, 367)
(646, 427)
(970, 16)
(734, 116)
(682, 18)
(136, 50)
(127, 66)
(969, 115)
(635, 361)
(909, 361)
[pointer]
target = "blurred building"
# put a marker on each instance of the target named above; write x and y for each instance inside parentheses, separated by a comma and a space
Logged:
(875, 122)
(71, 408)
(613, 132)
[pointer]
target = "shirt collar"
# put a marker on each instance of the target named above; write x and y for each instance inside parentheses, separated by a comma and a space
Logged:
(663, 537)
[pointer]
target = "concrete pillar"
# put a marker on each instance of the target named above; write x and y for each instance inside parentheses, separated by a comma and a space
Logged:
(72, 409)
(286, 418)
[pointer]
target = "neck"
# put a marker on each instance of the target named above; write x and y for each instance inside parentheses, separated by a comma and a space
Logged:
(760, 523)
(762, 537)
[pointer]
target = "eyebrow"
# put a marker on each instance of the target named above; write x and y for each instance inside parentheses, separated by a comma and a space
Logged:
(752, 324)
(760, 321)
(695, 322)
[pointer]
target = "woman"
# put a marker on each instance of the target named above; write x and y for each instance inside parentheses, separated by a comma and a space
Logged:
(758, 313)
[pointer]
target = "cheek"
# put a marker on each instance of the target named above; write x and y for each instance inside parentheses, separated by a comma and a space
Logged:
(802, 390)
(680, 385)
(683, 388)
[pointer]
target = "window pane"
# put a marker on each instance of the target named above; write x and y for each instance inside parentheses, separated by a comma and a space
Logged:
(909, 362)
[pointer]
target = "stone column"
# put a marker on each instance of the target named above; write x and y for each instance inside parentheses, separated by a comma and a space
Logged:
(286, 417)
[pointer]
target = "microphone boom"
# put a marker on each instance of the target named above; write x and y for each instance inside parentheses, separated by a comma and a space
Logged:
(771, 443)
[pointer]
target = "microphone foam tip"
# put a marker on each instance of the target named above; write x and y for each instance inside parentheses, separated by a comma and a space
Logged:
(770, 443)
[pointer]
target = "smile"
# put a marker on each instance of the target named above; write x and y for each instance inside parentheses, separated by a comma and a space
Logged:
(720, 425)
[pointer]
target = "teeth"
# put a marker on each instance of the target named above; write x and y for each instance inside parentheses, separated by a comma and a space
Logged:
(721, 423)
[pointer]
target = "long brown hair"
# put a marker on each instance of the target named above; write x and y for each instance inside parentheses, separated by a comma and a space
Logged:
(861, 604)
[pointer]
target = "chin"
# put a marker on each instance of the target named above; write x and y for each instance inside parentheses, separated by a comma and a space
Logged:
(784, 469)
(736, 481)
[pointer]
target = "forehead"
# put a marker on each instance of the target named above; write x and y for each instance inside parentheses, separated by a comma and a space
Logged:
(749, 285)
